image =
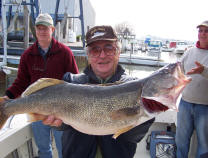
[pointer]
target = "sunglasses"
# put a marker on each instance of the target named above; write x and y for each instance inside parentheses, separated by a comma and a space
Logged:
(108, 49)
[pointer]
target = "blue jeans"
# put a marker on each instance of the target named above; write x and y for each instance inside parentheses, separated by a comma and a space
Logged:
(42, 137)
(191, 116)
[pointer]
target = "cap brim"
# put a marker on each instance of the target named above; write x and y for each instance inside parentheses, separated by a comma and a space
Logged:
(43, 23)
(100, 39)
(205, 25)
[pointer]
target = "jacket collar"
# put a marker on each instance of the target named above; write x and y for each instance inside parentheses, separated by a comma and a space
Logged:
(198, 46)
(54, 47)
(94, 79)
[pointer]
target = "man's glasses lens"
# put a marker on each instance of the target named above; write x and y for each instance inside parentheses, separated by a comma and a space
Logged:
(108, 49)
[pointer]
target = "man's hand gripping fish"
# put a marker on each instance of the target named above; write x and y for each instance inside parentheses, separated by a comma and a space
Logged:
(100, 110)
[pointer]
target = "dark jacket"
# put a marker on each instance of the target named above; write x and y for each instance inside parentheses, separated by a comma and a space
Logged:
(79, 145)
(59, 60)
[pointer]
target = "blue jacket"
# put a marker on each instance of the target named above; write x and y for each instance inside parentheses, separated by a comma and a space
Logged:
(79, 145)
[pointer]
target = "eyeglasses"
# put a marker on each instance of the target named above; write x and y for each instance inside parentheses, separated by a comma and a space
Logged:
(108, 49)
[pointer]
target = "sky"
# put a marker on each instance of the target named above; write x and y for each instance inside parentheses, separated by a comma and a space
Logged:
(172, 19)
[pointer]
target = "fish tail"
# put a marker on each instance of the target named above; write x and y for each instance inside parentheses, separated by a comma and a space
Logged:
(3, 117)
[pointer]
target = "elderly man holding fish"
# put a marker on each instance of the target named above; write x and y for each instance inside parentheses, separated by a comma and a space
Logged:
(103, 50)
(45, 58)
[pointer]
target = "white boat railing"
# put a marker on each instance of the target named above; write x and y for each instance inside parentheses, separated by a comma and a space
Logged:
(11, 139)
(17, 141)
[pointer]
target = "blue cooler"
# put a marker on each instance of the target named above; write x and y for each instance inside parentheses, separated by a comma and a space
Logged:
(162, 144)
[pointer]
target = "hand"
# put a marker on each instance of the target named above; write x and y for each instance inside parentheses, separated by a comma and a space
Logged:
(52, 121)
(3, 99)
(197, 70)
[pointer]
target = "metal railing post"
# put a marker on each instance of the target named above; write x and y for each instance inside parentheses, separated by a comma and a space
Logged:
(4, 28)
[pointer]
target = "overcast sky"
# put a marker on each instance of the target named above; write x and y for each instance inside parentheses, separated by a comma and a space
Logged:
(175, 19)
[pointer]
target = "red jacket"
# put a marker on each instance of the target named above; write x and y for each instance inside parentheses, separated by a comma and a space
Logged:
(33, 66)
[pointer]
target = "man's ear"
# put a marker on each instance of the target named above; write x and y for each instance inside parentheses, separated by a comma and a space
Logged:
(53, 29)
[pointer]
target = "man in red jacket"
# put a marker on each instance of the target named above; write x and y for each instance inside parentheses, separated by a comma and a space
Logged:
(45, 58)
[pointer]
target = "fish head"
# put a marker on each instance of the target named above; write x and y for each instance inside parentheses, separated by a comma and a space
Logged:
(165, 85)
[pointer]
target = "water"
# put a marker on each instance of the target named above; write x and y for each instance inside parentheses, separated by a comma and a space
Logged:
(143, 71)
(168, 57)
(139, 71)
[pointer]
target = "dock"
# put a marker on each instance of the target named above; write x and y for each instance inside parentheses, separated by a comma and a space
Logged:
(15, 49)
(139, 59)
(11, 59)
(124, 59)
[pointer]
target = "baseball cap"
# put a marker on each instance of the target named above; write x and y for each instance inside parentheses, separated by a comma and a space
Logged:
(101, 33)
(44, 19)
(204, 23)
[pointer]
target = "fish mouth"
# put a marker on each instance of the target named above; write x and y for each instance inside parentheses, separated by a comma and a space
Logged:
(161, 97)
(153, 106)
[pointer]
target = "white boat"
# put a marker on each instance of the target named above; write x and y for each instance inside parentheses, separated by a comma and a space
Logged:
(181, 47)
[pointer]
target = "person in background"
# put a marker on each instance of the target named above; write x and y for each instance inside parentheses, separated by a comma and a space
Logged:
(45, 58)
(193, 107)
(103, 51)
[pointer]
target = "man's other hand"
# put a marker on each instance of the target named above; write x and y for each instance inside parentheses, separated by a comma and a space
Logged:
(52, 121)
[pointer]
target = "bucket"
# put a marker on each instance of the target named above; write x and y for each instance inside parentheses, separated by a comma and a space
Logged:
(162, 144)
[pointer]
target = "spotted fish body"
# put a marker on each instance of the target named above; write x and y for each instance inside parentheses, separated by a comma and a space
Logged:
(96, 109)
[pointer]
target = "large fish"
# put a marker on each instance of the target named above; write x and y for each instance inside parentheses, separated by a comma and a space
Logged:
(98, 109)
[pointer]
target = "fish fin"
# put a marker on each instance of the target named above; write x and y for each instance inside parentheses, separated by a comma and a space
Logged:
(33, 117)
(2, 100)
(3, 117)
(123, 130)
(40, 84)
(125, 113)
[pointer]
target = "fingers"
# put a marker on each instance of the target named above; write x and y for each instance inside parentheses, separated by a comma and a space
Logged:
(52, 121)
(3, 99)
(57, 123)
(192, 71)
(198, 64)
(197, 70)
(6, 97)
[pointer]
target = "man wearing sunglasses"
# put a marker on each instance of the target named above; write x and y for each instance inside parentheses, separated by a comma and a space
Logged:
(103, 50)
